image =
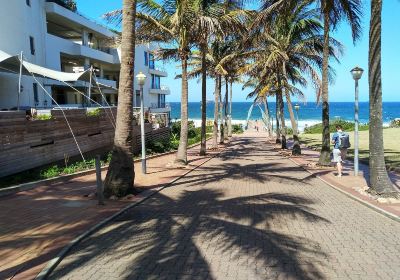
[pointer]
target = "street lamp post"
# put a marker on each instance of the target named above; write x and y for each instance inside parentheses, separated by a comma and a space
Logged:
(141, 79)
(297, 108)
(356, 72)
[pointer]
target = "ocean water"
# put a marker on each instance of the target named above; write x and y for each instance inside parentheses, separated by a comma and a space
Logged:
(309, 113)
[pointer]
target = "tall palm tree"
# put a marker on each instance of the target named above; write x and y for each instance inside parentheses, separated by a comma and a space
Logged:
(171, 22)
(333, 11)
(213, 56)
(379, 179)
(234, 76)
(215, 18)
(291, 51)
(120, 176)
(219, 60)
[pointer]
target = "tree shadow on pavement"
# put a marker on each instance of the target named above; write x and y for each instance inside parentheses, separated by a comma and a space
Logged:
(201, 234)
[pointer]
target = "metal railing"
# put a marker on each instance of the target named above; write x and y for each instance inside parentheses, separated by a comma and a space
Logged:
(164, 87)
(158, 106)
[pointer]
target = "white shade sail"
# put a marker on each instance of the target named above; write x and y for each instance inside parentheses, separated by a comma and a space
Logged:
(11, 64)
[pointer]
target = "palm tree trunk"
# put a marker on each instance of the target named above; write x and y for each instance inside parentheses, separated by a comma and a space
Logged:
(226, 109)
(282, 121)
(379, 179)
(281, 113)
(296, 150)
(181, 155)
(120, 176)
(216, 103)
(266, 109)
(230, 111)
(203, 101)
(324, 158)
(277, 117)
(221, 111)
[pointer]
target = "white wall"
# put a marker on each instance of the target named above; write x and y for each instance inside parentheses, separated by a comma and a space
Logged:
(140, 66)
(18, 22)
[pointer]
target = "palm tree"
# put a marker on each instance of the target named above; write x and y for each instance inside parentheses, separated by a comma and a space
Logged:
(379, 179)
(120, 176)
(213, 57)
(290, 52)
(217, 94)
(171, 23)
(219, 61)
(234, 76)
(333, 11)
(215, 18)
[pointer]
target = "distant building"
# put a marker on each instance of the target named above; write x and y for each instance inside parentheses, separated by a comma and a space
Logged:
(53, 36)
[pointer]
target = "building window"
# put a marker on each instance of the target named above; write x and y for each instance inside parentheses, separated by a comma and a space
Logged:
(35, 93)
(146, 59)
(32, 45)
(151, 61)
(155, 82)
(161, 101)
(28, 2)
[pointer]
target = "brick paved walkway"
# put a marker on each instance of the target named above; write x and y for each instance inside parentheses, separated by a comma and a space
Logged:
(348, 183)
(35, 225)
(248, 214)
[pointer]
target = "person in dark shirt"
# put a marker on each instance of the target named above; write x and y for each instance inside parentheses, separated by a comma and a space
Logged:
(339, 155)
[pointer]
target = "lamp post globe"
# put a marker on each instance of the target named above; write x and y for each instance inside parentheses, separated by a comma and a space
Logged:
(356, 72)
(141, 80)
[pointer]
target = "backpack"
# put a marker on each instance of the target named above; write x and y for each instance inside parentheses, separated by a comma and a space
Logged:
(344, 140)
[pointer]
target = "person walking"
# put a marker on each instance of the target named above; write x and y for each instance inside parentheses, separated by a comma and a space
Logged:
(341, 143)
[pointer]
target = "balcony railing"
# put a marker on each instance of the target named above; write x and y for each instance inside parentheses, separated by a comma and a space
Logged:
(153, 67)
(159, 105)
(70, 5)
(164, 87)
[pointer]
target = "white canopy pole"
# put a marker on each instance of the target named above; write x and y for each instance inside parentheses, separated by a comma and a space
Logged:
(90, 85)
(20, 80)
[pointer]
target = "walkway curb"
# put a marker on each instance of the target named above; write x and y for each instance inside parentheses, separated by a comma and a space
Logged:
(365, 203)
(52, 264)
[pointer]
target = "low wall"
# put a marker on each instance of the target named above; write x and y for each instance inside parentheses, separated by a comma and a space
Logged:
(26, 144)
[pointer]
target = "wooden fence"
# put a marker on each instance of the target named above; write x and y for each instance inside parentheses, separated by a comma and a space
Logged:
(26, 144)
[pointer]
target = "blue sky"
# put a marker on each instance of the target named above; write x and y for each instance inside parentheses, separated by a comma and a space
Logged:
(343, 87)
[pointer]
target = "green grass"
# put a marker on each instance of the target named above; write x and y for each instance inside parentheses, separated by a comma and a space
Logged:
(347, 126)
(390, 137)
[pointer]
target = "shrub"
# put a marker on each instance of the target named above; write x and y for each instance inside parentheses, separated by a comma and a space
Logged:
(44, 117)
(395, 123)
(237, 128)
(347, 126)
(50, 172)
(159, 146)
(192, 131)
(289, 131)
(93, 113)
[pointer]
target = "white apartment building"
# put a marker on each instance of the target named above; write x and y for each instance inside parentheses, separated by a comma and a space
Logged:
(53, 36)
